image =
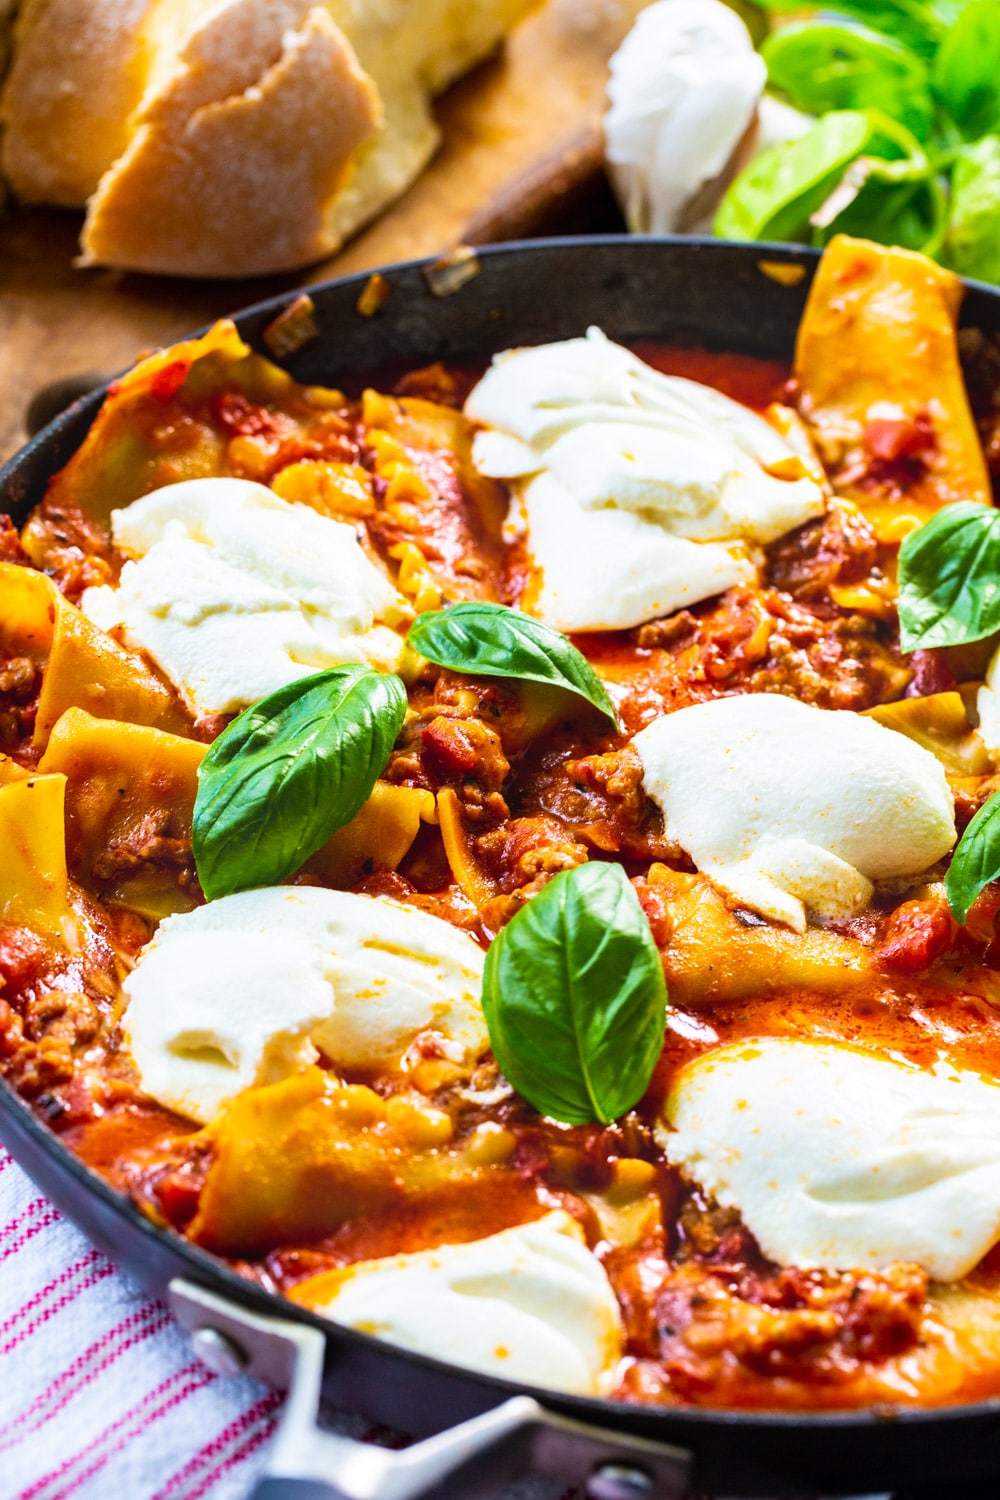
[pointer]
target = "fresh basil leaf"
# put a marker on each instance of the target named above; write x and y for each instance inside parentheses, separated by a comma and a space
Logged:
(774, 197)
(490, 640)
(972, 246)
(917, 24)
(976, 861)
(911, 215)
(575, 999)
(966, 75)
(890, 194)
(949, 578)
(821, 67)
(289, 772)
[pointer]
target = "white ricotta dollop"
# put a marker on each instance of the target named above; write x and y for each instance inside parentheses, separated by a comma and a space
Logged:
(788, 807)
(842, 1159)
(531, 1304)
(687, 101)
(684, 89)
(641, 492)
(235, 592)
(246, 989)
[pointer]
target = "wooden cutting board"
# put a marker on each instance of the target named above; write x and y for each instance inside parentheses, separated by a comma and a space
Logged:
(519, 155)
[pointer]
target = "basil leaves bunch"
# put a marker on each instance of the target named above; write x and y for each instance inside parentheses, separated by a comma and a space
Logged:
(489, 640)
(289, 772)
(575, 999)
(852, 168)
(906, 145)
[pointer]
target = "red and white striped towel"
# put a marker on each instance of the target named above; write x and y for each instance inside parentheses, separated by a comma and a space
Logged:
(100, 1392)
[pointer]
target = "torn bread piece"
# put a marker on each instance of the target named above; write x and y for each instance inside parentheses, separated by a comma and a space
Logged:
(412, 53)
(78, 73)
(239, 155)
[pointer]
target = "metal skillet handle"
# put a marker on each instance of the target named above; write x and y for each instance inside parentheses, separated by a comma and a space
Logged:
(467, 1462)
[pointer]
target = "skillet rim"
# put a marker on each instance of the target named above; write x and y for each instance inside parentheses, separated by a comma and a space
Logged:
(50, 449)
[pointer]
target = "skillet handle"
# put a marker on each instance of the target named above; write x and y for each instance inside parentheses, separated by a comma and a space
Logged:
(468, 1462)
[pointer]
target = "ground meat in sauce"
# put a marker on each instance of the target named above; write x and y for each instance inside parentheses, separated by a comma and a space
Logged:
(710, 1320)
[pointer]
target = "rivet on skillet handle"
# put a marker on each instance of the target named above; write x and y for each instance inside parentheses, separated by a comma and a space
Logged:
(468, 1462)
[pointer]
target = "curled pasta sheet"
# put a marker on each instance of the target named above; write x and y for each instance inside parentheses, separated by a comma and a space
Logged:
(469, 875)
(126, 453)
(116, 776)
(378, 837)
(878, 345)
(713, 958)
(83, 667)
(292, 1160)
(33, 879)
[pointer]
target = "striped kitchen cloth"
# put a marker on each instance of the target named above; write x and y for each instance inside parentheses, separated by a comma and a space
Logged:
(101, 1394)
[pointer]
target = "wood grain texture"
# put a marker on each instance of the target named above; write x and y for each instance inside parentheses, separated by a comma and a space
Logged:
(514, 159)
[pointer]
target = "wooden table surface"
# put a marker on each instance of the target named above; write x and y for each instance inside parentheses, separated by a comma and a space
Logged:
(538, 101)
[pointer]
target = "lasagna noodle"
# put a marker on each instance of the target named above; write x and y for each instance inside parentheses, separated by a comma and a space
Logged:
(122, 456)
(83, 667)
(293, 1160)
(878, 342)
(33, 879)
(131, 790)
(378, 837)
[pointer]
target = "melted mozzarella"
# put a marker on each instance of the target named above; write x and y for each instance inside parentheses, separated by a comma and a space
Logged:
(641, 492)
(838, 1158)
(789, 807)
(234, 592)
(531, 1304)
(246, 989)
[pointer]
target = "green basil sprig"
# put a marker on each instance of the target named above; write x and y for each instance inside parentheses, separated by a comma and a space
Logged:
(926, 75)
(918, 24)
(949, 578)
(972, 247)
(774, 197)
(852, 171)
(976, 860)
(966, 75)
(490, 640)
(289, 772)
(821, 66)
(575, 999)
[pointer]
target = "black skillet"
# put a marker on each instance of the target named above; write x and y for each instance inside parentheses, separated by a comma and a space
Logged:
(678, 290)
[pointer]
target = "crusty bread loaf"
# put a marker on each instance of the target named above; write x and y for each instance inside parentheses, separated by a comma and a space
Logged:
(413, 49)
(238, 155)
(78, 72)
(231, 137)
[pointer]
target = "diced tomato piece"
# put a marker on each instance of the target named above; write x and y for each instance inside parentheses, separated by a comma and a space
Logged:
(167, 382)
(918, 932)
(893, 438)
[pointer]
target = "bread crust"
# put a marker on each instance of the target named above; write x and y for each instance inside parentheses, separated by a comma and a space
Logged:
(78, 72)
(237, 157)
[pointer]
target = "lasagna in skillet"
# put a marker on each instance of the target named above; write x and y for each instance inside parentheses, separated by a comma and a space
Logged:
(508, 861)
